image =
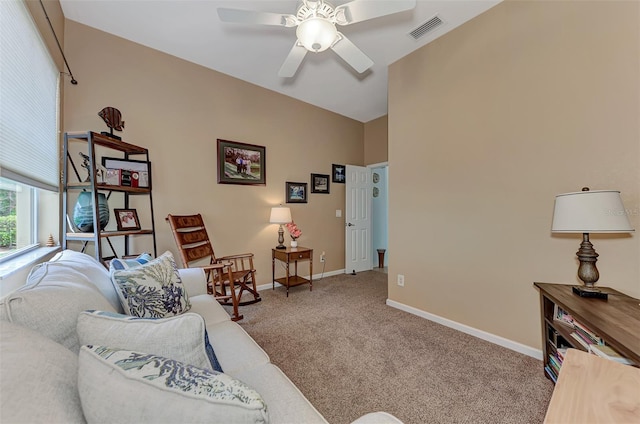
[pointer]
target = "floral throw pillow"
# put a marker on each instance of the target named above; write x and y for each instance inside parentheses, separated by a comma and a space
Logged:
(152, 290)
(152, 388)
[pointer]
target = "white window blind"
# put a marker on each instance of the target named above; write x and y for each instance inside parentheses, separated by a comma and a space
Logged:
(28, 101)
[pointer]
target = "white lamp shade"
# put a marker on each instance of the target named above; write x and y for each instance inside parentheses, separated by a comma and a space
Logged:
(317, 34)
(280, 215)
(598, 211)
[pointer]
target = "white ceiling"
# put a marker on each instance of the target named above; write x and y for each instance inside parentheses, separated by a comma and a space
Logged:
(192, 31)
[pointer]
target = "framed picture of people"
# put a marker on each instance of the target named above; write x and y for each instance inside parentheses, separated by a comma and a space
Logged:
(241, 163)
(127, 219)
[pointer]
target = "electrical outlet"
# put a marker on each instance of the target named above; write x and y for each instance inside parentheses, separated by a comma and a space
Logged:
(322, 256)
(401, 280)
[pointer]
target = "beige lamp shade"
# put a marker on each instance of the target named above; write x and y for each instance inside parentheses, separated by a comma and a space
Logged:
(280, 215)
(598, 211)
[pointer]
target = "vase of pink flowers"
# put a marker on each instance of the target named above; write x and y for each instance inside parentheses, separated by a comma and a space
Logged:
(294, 232)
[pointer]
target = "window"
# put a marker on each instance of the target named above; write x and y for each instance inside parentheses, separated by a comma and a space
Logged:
(29, 170)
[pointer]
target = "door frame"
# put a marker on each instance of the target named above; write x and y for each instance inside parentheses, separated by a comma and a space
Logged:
(373, 212)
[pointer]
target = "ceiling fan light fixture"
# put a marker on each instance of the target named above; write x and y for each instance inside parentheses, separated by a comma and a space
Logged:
(317, 34)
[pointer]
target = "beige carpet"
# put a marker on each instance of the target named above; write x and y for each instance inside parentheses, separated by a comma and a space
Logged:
(351, 354)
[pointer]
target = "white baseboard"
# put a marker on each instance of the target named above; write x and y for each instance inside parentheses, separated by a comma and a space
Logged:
(316, 277)
(500, 341)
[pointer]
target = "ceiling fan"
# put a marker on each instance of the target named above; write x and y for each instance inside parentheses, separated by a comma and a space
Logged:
(316, 21)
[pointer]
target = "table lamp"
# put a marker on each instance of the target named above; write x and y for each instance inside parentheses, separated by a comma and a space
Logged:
(598, 211)
(280, 215)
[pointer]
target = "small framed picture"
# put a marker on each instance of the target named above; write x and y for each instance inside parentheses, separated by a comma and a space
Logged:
(320, 183)
(127, 219)
(338, 173)
(296, 192)
(126, 172)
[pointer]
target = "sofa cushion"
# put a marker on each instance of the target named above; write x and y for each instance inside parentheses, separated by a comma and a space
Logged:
(51, 301)
(121, 386)
(182, 338)
(95, 272)
(118, 264)
(235, 349)
(38, 378)
(152, 290)
(283, 397)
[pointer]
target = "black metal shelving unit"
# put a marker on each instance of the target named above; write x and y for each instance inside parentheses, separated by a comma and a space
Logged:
(129, 152)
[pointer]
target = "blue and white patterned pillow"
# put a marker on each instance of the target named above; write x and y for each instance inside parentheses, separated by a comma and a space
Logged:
(151, 388)
(152, 290)
(117, 264)
(182, 337)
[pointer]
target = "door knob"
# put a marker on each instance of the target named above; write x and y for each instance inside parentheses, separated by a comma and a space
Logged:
(350, 225)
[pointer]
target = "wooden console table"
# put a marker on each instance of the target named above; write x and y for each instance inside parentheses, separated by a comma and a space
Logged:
(287, 256)
(616, 321)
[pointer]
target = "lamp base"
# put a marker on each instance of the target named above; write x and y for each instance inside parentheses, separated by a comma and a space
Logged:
(281, 247)
(586, 292)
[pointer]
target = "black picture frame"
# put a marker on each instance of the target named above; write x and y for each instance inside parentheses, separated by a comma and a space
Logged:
(231, 171)
(320, 183)
(296, 192)
(128, 172)
(127, 219)
(338, 173)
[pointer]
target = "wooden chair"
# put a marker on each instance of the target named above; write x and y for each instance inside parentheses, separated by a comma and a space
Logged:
(195, 247)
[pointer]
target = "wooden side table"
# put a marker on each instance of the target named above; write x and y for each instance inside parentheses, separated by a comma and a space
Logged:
(287, 256)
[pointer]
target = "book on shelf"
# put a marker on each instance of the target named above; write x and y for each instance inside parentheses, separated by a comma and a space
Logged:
(551, 373)
(561, 316)
(561, 353)
(607, 352)
(587, 333)
(583, 341)
(554, 364)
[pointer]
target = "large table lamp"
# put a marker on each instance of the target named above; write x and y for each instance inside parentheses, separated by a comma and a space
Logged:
(598, 211)
(280, 215)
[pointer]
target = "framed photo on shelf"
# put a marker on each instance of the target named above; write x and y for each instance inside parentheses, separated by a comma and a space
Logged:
(338, 173)
(127, 172)
(241, 163)
(296, 192)
(320, 183)
(127, 219)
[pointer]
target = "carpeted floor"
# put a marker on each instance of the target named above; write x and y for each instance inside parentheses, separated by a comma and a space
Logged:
(351, 354)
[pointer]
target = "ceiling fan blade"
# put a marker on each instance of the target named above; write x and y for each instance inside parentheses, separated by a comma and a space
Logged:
(293, 61)
(352, 54)
(240, 16)
(359, 10)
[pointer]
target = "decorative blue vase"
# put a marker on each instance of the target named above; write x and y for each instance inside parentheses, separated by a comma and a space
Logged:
(83, 211)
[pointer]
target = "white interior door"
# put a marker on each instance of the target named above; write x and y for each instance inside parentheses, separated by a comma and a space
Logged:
(358, 219)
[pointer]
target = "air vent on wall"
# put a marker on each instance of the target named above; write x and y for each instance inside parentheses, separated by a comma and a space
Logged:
(430, 25)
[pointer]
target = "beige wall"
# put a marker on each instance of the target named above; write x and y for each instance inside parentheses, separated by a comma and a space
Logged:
(177, 110)
(486, 125)
(56, 17)
(376, 141)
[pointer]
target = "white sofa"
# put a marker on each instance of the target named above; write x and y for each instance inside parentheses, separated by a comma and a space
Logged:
(39, 346)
